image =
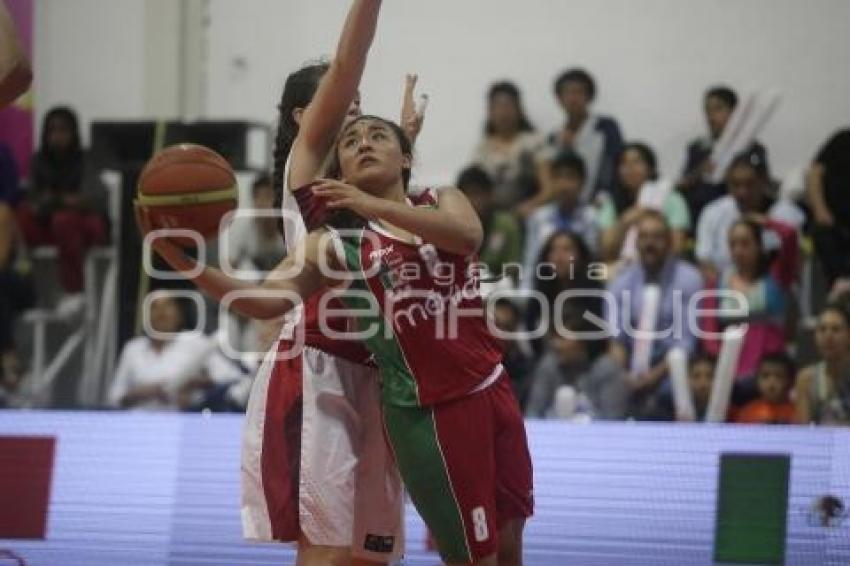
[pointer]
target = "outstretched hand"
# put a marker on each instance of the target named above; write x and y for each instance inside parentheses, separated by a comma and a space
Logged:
(339, 194)
(411, 117)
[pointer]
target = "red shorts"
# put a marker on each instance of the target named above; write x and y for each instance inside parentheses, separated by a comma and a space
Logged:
(467, 467)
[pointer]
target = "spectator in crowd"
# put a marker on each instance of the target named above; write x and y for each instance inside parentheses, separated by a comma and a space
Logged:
(66, 202)
(169, 368)
(773, 405)
(701, 368)
(636, 167)
(518, 359)
(509, 147)
(677, 281)
(828, 188)
(565, 213)
(564, 270)
(822, 393)
(596, 138)
(765, 280)
(16, 294)
(748, 180)
(719, 103)
(253, 242)
(502, 235)
(577, 376)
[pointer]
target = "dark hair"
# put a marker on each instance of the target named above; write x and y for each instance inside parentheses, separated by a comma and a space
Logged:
(569, 160)
(701, 358)
(723, 93)
(70, 117)
(298, 91)
(841, 307)
(260, 181)
(511, 90)
(751, 158)
(623, 198)
(765, 258)
(576, 75)
(474, 176)
(346, 219)
(782, 359)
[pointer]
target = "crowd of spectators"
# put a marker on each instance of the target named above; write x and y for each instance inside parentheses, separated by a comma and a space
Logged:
(579, 221)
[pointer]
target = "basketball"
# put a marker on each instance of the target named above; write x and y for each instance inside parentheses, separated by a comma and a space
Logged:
(189, 187)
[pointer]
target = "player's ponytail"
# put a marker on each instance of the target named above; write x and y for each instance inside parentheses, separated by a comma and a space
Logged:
(298, 91)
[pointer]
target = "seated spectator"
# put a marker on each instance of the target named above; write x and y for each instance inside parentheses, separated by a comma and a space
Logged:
(16, 295)
(828, 189)
(700, 380)
(822, 393)
(66, 202)
(518, 359)
(765, 280)
(253, 242)
(773, 405)
(748, 181)
(596, 138)
(564, 266)
(502, 235)
(577, 377)
(636, 167)
(176, 372)
(565, 213)
(677, 283)
(509, 147)
(719, 103)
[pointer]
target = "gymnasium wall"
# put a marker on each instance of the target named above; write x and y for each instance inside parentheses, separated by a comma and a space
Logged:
(653, 60)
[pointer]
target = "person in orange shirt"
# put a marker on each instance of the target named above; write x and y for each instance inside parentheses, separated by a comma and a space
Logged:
(775, 378)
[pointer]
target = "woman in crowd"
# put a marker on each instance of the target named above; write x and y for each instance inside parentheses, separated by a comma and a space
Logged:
(765, 279)
(66, 204)
(636, 167)
(509, 146)
(564, 266)
(822, 393)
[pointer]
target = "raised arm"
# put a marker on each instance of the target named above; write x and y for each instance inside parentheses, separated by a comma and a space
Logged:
(299, 276)
(15, 71)
(325, 115)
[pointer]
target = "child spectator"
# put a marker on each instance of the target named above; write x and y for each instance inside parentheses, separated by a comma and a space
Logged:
(596, 138)
(565, 213)
(502, 235)
(765, 280)
(637, 166)
(577, 376)
(822, 394)
(718, 104)
(700, 381)
(509, 147)
(773, 405)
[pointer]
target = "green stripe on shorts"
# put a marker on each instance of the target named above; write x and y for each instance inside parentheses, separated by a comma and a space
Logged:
(413, 435)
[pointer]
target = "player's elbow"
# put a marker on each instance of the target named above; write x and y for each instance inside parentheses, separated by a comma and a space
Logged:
(470, 240)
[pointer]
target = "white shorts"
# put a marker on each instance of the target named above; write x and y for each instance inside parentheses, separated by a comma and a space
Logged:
(315, 459)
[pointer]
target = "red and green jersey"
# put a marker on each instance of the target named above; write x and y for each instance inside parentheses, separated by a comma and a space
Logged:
(422, 316)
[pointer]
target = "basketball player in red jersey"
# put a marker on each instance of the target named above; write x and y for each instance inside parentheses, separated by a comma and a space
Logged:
(450, 415)
(315, 466)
